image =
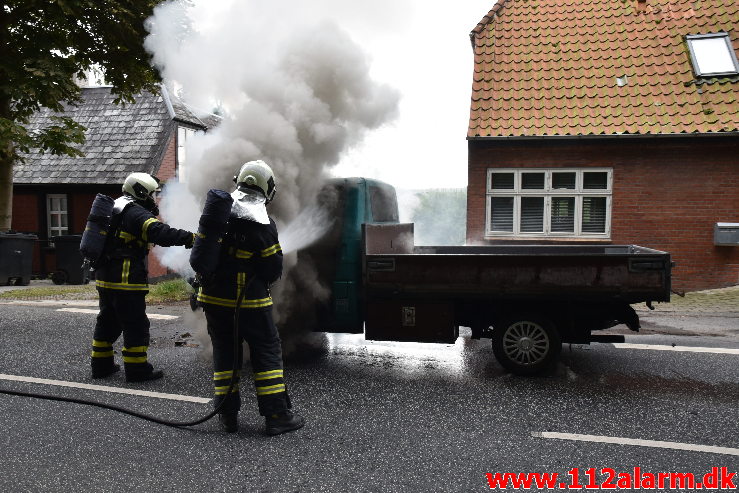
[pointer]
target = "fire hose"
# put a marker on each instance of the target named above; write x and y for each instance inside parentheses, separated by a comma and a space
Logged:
(154, 419)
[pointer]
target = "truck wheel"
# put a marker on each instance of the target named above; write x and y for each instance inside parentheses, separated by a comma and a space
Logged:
(526, 345)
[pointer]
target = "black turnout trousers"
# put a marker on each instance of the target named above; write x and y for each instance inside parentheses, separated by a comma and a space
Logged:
(122, 312)
(257, 328)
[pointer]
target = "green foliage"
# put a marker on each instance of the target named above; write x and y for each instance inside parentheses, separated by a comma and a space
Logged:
(44, 44)
(441, 217)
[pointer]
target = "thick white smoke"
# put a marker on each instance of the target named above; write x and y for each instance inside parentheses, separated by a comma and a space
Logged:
(296, 91)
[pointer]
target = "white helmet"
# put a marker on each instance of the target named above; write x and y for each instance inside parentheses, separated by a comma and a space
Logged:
(141, 186)
(257, 174)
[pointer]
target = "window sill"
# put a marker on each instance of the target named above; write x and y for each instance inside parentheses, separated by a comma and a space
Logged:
(546, 239)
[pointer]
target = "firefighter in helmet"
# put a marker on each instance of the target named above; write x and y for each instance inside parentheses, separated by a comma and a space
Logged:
(121, 279)
(250, 260)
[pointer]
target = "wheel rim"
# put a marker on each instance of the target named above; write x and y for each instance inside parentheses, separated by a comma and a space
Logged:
(526, 343)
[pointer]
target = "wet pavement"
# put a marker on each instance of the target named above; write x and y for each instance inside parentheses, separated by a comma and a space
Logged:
(381, 416)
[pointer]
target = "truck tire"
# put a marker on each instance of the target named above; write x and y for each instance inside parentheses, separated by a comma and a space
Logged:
(526, 345)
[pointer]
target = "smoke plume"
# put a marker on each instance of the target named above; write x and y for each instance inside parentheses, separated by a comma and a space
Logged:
(297, 93)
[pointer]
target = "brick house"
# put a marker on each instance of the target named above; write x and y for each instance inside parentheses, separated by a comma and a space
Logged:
(52, 195)
(608, 121)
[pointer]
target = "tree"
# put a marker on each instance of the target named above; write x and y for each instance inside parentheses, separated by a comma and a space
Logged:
(44, 44)
(441, 217)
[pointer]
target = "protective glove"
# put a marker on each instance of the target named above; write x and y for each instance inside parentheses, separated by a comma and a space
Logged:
(191, 242)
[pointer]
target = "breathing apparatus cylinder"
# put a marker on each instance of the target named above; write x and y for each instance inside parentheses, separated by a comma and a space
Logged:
(211, 228)
(97, 228)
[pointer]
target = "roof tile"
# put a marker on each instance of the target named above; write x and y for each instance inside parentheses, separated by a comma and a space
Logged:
(593, 67)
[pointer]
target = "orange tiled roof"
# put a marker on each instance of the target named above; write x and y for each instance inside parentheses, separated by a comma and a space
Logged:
(550, 67)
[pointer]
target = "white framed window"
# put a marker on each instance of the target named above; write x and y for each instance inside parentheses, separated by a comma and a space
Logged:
(712, 54)
(557, 202)
(57, 217)
(183, 135)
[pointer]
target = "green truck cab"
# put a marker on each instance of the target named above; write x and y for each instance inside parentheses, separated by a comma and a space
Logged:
(352, 203)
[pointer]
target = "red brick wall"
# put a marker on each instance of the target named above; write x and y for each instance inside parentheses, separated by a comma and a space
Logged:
(26, 220)
(166, 171)
(667, 194)
(25, 212)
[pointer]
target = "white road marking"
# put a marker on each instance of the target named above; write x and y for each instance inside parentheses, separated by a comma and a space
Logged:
(51, 302)
(633, 441)
(103, 388)
(688, 349)
(156, 316)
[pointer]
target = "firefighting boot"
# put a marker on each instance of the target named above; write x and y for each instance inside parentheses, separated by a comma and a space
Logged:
(101, 359)
(277, 424)
(229, 421)
(138, 369)
(102, 371)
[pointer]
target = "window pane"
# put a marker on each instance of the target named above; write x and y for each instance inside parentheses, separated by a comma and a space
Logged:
(594, 215)
(63, 204)
(54, 204)
(595, 180)
(501, 214)
(532, 181)
(563, 214)
(563, 181)
(532, 214)
(712, 55)
(501, 181)
(64, 220)
(55, 220)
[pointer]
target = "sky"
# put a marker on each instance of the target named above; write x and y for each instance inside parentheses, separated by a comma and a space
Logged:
(427, 55)
(419, 48)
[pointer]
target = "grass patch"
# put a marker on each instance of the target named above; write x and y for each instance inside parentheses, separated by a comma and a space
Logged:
(81, 292)
(169, 291)
(164, 292)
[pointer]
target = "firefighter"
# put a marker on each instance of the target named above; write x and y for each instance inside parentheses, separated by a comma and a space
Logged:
(121, 279)
(250, 259)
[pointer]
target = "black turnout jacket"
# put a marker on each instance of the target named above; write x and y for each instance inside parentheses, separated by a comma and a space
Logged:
(250, 254)
(123, 266)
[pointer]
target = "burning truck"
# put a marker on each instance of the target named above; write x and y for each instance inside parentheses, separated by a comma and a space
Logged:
(528, 299)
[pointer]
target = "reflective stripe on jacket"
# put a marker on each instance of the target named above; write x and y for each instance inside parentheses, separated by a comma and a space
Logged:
(251, 256)
(123, 266)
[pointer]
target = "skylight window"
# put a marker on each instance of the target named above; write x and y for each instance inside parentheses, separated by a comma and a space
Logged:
(712, 55)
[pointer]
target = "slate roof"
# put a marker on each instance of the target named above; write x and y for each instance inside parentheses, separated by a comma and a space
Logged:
(550, 67)
(119, 140)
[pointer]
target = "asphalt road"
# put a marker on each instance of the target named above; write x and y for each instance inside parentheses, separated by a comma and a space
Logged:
(380, 417)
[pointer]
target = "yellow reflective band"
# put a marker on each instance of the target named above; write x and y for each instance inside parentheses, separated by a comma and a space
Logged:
(222, 377)
(266, 375)
(271, 250)
(97, 343)
(243, 254)
(101, 354)
(231, 303)
(134, 359)
(272, 389)
(223, 390)
(126, 270)
(220, 373)
(136, 349)
(145, 227)
(121, 286)
(126, 236)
